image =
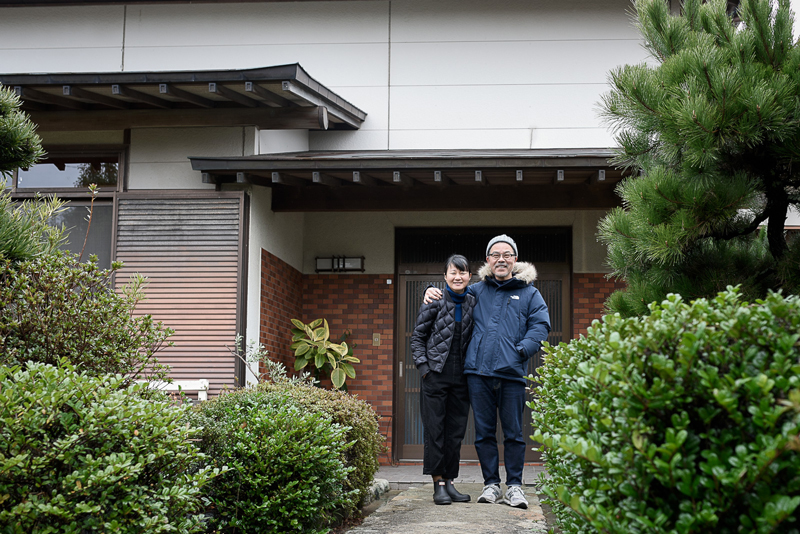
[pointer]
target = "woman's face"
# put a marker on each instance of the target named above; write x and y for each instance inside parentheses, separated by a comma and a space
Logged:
(457, 279)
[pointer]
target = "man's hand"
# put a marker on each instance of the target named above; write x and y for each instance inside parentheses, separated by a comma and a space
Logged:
(431, 294)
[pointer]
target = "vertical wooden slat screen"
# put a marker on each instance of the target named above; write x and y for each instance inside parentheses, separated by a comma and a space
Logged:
(190, 251)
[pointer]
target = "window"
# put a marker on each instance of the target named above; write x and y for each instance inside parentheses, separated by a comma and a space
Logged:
(68, 173)
(74, 218)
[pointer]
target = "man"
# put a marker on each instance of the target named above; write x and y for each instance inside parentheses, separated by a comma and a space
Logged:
(511, 321)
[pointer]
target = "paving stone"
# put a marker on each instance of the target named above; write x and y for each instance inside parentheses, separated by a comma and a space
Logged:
(412, 511)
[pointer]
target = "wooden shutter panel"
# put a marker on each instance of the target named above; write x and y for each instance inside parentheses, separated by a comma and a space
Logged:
(190, 251)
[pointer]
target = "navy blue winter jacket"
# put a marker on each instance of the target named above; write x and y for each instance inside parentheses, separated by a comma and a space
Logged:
(510, 322)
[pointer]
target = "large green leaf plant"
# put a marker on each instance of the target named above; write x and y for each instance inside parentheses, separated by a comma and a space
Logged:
(312, 345)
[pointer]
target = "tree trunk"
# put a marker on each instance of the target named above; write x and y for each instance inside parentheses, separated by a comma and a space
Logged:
(777, 208)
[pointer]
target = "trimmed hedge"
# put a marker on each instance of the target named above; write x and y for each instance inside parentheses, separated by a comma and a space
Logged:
(287, 468)
(83, 454)
(683, 421)
(362, 432)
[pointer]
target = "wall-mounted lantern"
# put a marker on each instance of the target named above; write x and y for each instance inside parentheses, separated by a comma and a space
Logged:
(339, 264)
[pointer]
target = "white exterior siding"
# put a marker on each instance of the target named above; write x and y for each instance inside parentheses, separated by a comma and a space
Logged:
(514, 74)
(431, 74)
(509, 20)
(444, 74)
(344, 45)
(61, 39)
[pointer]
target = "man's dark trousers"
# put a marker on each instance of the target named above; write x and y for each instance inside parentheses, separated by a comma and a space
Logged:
(488, 395)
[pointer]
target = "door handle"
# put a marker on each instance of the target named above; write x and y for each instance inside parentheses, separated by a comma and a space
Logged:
(400, 368)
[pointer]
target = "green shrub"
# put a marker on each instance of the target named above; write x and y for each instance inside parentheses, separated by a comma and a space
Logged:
(54, 307)
(25, 229)
(683, 421)
(287, 470)
(81, 454)
(362, 430)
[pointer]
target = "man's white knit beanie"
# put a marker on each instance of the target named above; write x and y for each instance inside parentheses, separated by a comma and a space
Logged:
(502, 238)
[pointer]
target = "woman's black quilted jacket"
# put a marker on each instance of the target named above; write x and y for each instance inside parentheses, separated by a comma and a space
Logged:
(433, 333)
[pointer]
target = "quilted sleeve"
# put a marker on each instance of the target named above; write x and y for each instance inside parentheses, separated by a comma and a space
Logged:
(422, 331)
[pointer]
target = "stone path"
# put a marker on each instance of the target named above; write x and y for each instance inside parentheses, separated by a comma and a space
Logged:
(412, 511)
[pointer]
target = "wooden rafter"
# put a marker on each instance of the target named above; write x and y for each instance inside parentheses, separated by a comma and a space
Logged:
(167, 89)
(134, 94)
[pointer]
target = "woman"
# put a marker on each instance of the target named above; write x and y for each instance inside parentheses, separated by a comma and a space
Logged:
(439, 343)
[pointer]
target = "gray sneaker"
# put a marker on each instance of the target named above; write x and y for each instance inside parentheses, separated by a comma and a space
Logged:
(516, 497)
(490, 494)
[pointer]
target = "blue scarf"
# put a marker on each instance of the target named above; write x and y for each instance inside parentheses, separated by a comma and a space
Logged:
(458, 299)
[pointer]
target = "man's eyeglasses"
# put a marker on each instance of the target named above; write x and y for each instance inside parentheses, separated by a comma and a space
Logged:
(504, 255)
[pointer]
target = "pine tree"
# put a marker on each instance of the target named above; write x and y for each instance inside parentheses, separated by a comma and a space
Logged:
(24, 228)
(709, 130)
(19, 144)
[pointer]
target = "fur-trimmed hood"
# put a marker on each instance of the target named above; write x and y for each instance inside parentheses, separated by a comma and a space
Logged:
(523, 271)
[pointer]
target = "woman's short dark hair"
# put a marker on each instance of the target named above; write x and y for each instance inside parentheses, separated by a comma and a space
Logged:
(459, 262)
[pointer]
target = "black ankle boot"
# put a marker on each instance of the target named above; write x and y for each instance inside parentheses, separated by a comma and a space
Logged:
(454, 494)
(440, 495)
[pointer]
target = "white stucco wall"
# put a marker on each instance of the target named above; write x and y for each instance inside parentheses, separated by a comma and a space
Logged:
(278, 233)
(372, 234)
(276, 141)
(158, 156)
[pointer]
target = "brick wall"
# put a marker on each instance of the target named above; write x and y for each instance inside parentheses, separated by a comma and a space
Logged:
(363, 304)
(281, 301)
(589, 294)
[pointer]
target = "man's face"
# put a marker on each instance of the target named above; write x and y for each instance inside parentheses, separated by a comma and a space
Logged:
(501, 260)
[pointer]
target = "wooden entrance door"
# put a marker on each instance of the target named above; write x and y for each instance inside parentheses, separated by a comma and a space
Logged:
(553, 283)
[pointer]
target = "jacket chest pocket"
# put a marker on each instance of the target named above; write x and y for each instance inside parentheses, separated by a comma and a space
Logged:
(515, 315)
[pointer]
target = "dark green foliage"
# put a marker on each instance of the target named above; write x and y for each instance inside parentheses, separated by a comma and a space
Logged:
(683, 421)
(19, 144)
(287, 464)
(713, 125)
(362, 431)
(52, 307)
(82, 454)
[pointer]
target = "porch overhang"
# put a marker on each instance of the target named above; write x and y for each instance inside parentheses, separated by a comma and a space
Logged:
(425, 179)
(279, 97)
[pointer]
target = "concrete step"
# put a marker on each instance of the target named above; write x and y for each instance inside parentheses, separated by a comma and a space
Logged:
(403, 476)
